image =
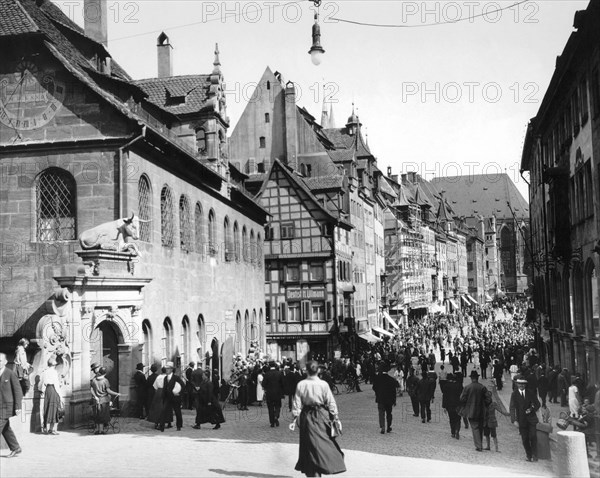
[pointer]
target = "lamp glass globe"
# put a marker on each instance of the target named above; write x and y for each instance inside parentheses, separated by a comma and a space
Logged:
(316, 57)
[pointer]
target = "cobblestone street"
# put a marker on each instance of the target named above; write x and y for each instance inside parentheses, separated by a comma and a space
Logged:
(247, 446)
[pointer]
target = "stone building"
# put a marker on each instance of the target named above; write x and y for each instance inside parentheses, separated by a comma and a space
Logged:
(83, 144)
(561, 154)
(495, 197)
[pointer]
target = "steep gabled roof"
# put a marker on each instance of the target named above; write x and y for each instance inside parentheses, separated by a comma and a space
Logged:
(341, 139)
(483, 194)
(14, 20)
(325, 182)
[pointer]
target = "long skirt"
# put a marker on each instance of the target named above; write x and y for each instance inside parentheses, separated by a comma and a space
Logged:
(103, 414)
(319, 452)
(51, 405)
(209, 413)
(155, 413)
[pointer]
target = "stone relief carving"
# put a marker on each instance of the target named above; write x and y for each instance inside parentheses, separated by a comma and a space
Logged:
(115, 236)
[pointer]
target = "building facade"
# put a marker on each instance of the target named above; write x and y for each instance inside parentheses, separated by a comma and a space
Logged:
(561, 156)
(82, 145)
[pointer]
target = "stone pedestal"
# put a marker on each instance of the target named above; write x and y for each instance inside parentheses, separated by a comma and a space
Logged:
(572, 455)
(104, 290)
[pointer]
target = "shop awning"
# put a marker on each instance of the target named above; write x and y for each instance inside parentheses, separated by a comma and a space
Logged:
(382, 331)
(454, 304)
(437, 308)
(390, 320)
(472, 300)
(488, 298)
(369, 337)
(348, 289)
(465, 300)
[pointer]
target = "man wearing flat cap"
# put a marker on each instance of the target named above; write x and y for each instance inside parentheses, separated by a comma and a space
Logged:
(475, 399)
(523, 407)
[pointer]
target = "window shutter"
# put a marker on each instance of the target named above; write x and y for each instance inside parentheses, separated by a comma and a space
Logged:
(282, 312)
(305, 310)
(328, 310)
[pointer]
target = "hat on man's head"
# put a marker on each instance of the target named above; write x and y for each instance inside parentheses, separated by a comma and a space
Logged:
(94, 366)
(139, 366)
(474, 374)
(169, 365)
(521, 380)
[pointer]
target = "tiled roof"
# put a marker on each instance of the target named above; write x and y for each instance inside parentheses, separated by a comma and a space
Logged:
(14, 20)
(341, 155)
(326, 182)
(194, 88)
(56, 14)
(484, 195)
(386, 188)
(342, 140)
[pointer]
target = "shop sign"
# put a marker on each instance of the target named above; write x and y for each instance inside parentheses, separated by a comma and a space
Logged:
(304, 294)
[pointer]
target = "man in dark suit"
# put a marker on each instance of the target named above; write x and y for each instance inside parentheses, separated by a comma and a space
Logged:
(172, 390)
(274, 390)
(474, 398)
(425, 392)
(11, 397)
(523, 407)
(385, 387)
(139, 377)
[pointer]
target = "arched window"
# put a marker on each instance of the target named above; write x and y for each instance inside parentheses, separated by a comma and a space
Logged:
(186, 346)
(593, 301)
(577, 298)
(201, 142)
(236, 241)
(201, 334)
(267, 118)
(302, 169)
(245, 333)
(252, 247)
(55, 206)
(262, 142)
(244, 243)
(147, 352)
(185, 224)
(238, 333)
(167, 341)
(199, 225)
(268, 85)
(253, 332)
(166, 217)
(144, 207)
(259, 251)
(212, 233)
(229, 251)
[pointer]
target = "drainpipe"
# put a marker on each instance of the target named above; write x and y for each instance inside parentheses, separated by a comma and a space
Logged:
(122, 175)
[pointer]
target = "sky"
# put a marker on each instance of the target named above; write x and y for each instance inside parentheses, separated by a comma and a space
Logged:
(434, 95)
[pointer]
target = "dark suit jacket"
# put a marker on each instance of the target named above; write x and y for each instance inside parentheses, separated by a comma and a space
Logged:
(384, 387)
(169, 386)
(140, 382)
(273, 385)
(519, 407)
(451, 395)
(426, 389)
(473, 397)
(11, 394)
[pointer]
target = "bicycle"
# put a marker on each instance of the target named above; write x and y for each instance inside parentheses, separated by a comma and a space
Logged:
(351, 385)
(232, 397)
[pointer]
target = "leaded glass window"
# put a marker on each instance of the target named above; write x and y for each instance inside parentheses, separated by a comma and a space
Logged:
(166, 217)
(144, 208)
(185, 225)
(199, 225)
(55, 201)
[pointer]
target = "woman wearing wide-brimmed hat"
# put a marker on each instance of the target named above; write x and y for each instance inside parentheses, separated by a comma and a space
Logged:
(101, 393)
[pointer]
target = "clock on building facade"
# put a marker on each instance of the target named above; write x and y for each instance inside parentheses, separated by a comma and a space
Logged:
(29, 98)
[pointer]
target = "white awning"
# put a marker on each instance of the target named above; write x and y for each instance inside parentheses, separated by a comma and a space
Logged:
(488, 298)
(369, 337)
(472, 300)
(390, 320)
(382, 331)
(465, 300)
(454, 304)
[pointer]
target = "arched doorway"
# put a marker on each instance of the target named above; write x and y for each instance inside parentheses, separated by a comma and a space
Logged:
(214, 362)
(104, 350)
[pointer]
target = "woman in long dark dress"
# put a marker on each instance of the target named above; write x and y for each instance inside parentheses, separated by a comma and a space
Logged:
(209, 410)
(49, 385)
(101, 393)
(156, 409)
(314, 408)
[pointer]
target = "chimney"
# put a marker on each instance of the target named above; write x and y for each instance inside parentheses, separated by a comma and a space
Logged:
(95, 20)
(165, 58)
(389, 171)
(291, 139)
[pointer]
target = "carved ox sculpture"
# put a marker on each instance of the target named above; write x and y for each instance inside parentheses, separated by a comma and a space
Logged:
(115, 235)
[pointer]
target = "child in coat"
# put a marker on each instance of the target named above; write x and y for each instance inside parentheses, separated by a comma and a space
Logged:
(490, 423)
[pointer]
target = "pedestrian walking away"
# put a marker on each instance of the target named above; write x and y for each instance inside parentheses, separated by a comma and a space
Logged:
(316, 414)
(11, 396)
(385, 387)
(274, 392)
(474, 398)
